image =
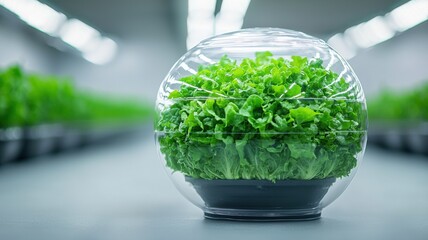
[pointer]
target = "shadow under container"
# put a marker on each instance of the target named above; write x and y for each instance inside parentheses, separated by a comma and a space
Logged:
(267, 156)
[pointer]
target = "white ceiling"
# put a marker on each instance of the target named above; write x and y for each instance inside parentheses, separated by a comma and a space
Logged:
(139, 18)
(315, 17)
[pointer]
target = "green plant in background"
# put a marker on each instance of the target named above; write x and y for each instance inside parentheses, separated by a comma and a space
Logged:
(410, 105)
(264, 118)
(98, 109)
(13, 88)
(33, 99)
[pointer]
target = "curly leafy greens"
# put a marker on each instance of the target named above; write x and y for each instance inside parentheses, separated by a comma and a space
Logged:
(264, 118)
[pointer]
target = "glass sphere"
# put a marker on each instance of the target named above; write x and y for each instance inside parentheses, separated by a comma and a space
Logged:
(261, 124)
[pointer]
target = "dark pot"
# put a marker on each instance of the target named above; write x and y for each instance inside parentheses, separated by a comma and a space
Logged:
(10, 143)
(40, 140)
(262, 200)
(418, 138)
(418, 142)
(96, 134)
(71, 138)
(394, 139)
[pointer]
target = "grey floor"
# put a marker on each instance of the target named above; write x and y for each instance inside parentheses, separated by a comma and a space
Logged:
(120, 191)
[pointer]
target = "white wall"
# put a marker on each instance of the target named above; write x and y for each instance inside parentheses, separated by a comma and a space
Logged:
(19, 45)
(399, 63)
(137, 70)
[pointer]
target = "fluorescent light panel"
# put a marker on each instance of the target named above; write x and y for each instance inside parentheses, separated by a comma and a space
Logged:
(408, 15)
(205, 6)
(78, 34)
(231, 16)
(380, 28)
(370, 33)
(104, 50)
(347, 49)
(200, 21)
(36, 14)
(202, 24)
(81, 36)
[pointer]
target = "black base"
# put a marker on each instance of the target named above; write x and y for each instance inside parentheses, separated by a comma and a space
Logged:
(262, 200)
(261, 194)
(308, 217)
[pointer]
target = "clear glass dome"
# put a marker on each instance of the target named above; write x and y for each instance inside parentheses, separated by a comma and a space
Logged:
(261, 124)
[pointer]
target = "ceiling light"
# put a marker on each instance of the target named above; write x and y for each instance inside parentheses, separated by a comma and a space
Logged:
(197, 24)
(103, 51)
(36, 14)
(206, 6)
(94, 47)
(231, 16)
(380, 28)
(408, 15)
(200, 21)
(370, 33)
(78, 34)
(236, 6)
(340, 44)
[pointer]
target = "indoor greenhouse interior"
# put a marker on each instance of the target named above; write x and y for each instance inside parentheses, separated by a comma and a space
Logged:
(213, 119)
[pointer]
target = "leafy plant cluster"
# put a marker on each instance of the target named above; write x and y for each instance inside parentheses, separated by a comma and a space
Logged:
(410, 105)
(264, 118)
(32, 99)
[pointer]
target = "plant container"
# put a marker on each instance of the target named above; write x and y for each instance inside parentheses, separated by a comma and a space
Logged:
(261, 124)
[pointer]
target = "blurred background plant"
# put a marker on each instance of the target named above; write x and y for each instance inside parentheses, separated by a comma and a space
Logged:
(404, 105)
(34, 99)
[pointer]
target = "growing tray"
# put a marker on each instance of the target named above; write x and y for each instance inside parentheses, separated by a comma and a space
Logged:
(10, 144)
(41, 140)
(402, 136)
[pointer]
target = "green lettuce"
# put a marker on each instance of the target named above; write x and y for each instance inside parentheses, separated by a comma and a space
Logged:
(264, 118)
